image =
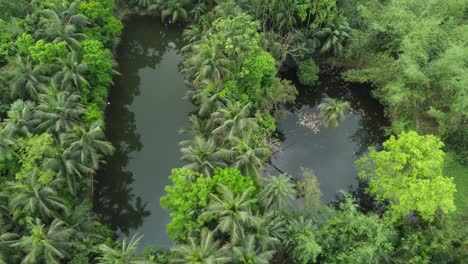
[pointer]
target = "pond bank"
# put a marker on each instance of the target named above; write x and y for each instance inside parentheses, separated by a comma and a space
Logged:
(330, 152)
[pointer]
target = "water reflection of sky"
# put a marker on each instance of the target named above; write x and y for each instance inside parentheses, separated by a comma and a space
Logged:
(145, 112)
(331, 152)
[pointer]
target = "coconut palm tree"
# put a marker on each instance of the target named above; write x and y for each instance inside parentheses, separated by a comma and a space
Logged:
(15, 28)
(35, 198)
(198, 11)
(87, 144)
(247, 155)
(257, 8)
(283, 15)
(233, 119)
(227, 9)
(249, 253)
(207, 98)
(45, 244)
(197, 251)
(278, 192)
(333, 37)
(270, 231)
(209, 103)
(6, 252)
(27, 79)
(69, 168)
(7, 145)
(124, 254)
(202, 154)
(193, 35)
(5, 216)
(332, 111)
(198, 127)
(66, 13)
(296, 225)
(62, 22)
(233, 213)
(21, 120)
(71, 72)
(70, 35)
(81, 219)
(209, 62)
(175, 9)
(59, 111)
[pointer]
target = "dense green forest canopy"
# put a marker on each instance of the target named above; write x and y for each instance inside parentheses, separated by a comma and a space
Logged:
(56, 66)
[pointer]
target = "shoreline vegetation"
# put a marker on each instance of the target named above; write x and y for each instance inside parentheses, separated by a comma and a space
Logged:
(56, 66)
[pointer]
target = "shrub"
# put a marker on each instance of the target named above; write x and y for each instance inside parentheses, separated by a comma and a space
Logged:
(308, 72)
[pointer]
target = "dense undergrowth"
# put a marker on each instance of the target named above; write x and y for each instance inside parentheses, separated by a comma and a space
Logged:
(57, 66)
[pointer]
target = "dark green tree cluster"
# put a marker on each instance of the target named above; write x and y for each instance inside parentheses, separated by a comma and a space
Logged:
(56, 67)
(233, 82)
(415, 52)
(228, 218)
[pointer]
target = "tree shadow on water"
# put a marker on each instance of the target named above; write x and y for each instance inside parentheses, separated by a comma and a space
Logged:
(114, 201)
(144, 44)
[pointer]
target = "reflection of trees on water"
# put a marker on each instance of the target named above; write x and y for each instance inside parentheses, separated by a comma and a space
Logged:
(148, 51)
(114, 201)
(372, 123)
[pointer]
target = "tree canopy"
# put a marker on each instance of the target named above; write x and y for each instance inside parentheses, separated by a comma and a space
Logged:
(407, 174)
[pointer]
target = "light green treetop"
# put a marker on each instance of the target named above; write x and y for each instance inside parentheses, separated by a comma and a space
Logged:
(408, 174)
(32, 151)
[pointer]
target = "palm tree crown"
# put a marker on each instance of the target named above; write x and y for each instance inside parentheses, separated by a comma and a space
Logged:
(233, 119)
(205, 251)
(7, 144)
(35, 198)
(209, 62)
(28, 79)
(175, 9)
(333, 35)
(332, 111)
(202, 154)
(62, 22)
(45, 244)
(6, 251)
(72, 72)
(248, 156)
(248, 253)
(233, 213)
(126, 254)
(278, 191)
(59, 111)
(87, 144)
(69, 168)
(21, 120)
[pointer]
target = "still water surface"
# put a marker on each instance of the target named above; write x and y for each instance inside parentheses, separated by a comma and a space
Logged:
(330, 152)
(146, 110)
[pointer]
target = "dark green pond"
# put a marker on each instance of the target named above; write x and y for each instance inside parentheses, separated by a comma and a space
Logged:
(146, 110)
(329, 152)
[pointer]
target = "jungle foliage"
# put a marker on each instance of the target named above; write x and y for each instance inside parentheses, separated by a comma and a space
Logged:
(56, 64)
(56, 67)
